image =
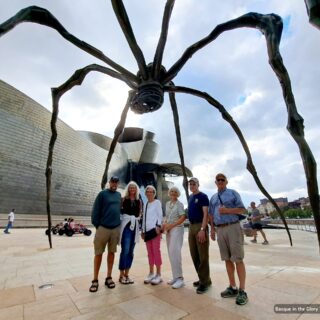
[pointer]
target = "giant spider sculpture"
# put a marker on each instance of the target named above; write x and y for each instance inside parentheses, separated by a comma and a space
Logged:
(152, 81)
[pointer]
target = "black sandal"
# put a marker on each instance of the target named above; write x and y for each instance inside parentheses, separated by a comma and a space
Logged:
(94, 286)
(109, 283)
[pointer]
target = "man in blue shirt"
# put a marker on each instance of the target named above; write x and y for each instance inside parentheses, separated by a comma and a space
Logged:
(224, 210)
(198, 235)
(106, 219)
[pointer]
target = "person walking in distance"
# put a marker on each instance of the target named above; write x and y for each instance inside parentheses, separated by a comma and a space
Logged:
(256, 224)
(106, 219)
(10, 222)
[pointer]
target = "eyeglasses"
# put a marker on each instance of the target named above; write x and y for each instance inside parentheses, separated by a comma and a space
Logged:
(192, 184)
(221, 180)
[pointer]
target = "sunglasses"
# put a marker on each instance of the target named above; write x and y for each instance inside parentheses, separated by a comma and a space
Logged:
(221, 180)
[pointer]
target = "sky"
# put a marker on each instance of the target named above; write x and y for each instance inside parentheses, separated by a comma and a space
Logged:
(233, 69)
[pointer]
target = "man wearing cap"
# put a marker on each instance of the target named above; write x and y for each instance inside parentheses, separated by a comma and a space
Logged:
(106, 219)
(198, 235)
(224, 210)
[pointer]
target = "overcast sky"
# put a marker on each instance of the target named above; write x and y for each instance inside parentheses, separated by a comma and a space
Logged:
(233, 69)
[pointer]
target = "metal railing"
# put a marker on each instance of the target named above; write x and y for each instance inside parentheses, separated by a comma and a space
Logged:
(299, 224)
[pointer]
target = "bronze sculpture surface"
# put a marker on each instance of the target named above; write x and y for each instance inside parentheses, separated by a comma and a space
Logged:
(152, 81)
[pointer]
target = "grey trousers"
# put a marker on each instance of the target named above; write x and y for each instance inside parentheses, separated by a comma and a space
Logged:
(174, 240)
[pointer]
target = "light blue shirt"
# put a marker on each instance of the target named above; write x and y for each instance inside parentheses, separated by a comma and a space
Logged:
(230, 199)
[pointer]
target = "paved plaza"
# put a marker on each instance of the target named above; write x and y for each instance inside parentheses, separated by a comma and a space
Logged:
(276, 274)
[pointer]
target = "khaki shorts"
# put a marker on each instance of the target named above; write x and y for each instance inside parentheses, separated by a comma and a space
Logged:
(106, 236)
(230, 240)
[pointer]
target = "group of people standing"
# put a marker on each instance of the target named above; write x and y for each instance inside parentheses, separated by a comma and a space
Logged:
(116, 221)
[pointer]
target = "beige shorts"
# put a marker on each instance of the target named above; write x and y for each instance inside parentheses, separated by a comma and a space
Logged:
(230, 240)
(106, 236)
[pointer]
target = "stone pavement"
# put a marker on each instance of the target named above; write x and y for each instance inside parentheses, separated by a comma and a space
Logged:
(276, 274)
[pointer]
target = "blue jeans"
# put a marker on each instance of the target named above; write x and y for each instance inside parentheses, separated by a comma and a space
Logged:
(8, 227)
(127, 247)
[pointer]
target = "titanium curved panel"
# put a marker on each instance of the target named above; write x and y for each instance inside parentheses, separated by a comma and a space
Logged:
(78, 163)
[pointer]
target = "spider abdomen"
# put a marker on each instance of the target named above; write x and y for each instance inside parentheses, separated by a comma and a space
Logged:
(148, 98)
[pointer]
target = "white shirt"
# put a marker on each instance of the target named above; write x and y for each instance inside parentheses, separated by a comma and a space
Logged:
(11, 216)
(154, 215)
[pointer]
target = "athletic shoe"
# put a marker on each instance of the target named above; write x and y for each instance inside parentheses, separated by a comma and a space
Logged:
(229, 292)
(149, 277)
(196, 283)
(171, 282)
(178, 284)
(242, 298)
(156, 280)
(202, 289)
(253, 241)
(265, 242)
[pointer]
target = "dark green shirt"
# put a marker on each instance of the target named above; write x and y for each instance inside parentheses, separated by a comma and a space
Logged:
(106, 209)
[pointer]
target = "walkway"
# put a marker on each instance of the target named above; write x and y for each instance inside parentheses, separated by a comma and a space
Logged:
(276, 274)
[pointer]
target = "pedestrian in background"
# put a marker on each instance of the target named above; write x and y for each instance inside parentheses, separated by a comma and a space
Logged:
(10, 221)
(256, 224)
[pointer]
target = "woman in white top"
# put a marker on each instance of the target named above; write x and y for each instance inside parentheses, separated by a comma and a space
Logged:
(152, 218)
(174, 229)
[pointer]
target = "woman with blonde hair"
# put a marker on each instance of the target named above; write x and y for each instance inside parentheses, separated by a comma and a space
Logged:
(174, 229)
(129, 230)
(151, 233)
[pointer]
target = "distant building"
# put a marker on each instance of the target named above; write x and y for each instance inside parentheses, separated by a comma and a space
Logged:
(266, 206)
(295, 204)
(304, 203)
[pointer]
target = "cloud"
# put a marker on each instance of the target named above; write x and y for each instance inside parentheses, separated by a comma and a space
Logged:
(234, 69)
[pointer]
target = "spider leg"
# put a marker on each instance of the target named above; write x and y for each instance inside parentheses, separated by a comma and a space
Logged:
(125, 25)
(42, 16)
(118, 130)
(76, 79)
(269, 22)
(226, 116)
(179, 140)
(157, 60)
(271, 26)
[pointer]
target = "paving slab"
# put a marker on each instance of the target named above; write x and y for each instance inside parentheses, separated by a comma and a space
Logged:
(276, 274)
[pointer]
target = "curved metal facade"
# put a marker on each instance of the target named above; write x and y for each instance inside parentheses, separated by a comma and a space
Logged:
(77, 166)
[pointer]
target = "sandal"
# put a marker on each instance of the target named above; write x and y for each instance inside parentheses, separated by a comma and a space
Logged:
(129, 280)
(109, 283)
(123, 280)
(94, 286)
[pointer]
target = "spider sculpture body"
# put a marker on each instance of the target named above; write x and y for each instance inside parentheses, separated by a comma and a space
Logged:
(152, 81)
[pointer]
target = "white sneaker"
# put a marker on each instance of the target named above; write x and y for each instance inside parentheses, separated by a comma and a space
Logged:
(172, 281)
(178, 284)
(149, 277)
(156, 280)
